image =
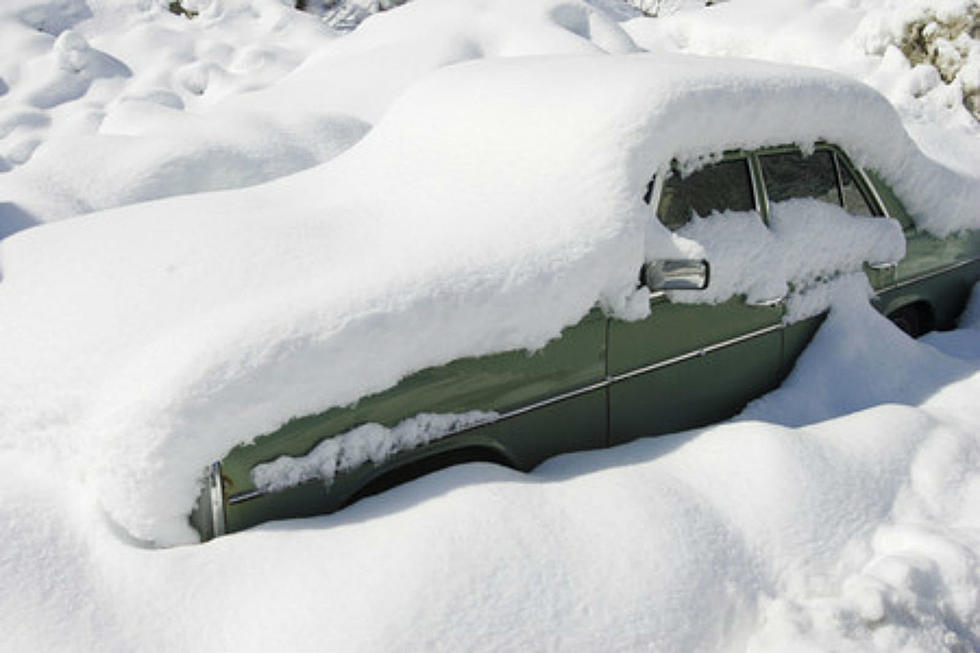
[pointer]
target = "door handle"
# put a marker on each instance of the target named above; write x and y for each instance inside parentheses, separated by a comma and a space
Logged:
(891, 265)
(770, 301)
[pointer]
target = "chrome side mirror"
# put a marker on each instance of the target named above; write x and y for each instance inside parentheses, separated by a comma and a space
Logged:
(677, 274)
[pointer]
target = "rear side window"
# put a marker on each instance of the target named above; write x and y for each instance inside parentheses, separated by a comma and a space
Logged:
(854, 200)
(721, 186)
(790, 175)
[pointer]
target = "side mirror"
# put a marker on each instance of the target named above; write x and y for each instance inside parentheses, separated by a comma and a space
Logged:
(677, 274)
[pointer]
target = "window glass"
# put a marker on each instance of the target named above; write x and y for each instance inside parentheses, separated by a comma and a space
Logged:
(792, 175)
(854, 200)
(717, 187)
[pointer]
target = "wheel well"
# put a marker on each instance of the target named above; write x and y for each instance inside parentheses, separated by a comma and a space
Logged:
(419, 468)
(915, 319)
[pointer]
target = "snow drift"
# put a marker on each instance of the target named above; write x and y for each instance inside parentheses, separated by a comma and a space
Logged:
(496, 203)
(852, 533)
(810, 529)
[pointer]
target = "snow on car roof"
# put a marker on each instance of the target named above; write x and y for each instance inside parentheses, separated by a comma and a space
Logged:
(496, 203)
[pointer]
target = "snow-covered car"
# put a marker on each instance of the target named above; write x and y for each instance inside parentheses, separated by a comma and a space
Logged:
(750, 239)
(464, 283)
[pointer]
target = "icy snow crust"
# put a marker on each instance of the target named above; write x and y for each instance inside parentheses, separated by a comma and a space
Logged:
(495, 204)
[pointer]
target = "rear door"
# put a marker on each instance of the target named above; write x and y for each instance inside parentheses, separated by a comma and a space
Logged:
(938, 271)
(826, 175)
(692, 364)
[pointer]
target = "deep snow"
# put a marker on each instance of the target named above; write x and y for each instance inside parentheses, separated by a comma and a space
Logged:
(849, 532)
(206, 320)
(140, 343)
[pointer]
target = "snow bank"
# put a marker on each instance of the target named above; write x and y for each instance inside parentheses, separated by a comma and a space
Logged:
(141, 343)
(105, 103)
(147, 341)
(852, 533)
(869, 40)
(109, 103)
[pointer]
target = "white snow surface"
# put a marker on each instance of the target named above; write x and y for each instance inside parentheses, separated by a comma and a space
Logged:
(104, 103)
(805, 243)
(109, 102)
(482, 208)
(859, 38)
(149, 340)
(856, 529)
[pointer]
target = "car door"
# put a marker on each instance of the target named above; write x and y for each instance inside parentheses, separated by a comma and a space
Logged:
(826, 175)
(547, 402)
(936, 271)
(691, 364)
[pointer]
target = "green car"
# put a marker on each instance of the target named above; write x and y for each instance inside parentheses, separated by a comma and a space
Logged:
(605, 381)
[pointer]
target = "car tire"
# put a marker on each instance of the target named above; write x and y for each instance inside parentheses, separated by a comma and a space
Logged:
(910, 320)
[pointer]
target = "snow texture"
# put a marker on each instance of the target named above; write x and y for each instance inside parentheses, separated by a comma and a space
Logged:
(854, 531)
(366, 443)
(860, 38)
(806, 243)
(206, 320)
(213, 225)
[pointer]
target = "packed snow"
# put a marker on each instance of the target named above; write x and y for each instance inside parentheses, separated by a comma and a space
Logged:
(369, 442)
(213, 225)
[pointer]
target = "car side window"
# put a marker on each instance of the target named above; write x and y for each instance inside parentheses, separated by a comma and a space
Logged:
(726, 185)
(854, 200)
(790, 175)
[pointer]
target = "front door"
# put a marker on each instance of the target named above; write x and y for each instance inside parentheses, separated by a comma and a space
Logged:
(690, 364)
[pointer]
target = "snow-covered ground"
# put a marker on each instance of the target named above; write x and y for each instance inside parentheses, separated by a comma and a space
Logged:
(856, 529)
(840, 512)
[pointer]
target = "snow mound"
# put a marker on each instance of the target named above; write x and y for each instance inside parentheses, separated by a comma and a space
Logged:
(852, 533)
(104, 103)
(920, 54)
(109, 103)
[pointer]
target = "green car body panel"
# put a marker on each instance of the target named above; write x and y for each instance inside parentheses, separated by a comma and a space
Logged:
(504, 383)
(713, 360)
(603, 382)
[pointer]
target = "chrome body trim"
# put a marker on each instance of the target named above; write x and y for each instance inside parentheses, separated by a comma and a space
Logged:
(216, 496)
(929, 275)
(754, 182)
(768, 302)
(890, 265)
(835, 157)
(658, 190)
(759, 190)
(245, 496)
(694, 353)
(571, 394)
(676, 274)
(874, 191)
